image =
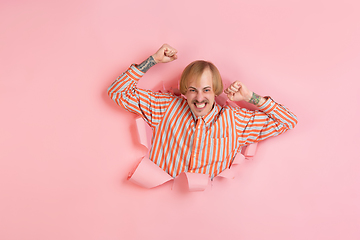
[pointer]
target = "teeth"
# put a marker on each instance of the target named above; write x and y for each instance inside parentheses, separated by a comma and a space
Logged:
(200, 105)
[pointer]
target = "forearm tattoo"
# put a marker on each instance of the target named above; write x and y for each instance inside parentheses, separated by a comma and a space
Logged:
(147, 64)
(255, 99)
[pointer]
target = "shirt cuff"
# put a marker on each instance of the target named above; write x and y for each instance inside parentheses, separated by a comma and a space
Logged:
(268, 106)
(134, 73)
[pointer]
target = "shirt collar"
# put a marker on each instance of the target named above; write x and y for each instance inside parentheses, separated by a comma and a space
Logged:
(208, 118)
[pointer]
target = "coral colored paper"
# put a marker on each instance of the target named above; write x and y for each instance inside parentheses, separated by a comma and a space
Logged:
(221, 99)
(230, 172)
(149, 175)
(250, 150)
(65, 145)
(227, 173)
(140, 123)
(197, 181)
(239, 158)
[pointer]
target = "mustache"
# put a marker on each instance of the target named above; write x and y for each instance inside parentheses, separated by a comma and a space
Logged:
(205, 101)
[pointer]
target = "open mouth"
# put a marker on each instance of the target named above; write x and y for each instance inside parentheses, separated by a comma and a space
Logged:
(200, 105)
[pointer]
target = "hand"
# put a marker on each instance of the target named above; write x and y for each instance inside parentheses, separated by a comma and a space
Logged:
(165, 54)
(238, 92)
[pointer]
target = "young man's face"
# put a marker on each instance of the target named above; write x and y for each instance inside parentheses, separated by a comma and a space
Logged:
(200, 94)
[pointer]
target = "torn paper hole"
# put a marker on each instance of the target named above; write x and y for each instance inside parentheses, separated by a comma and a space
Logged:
(197, 181)
(250, 150)
(149, 175)
(230, 172)
(141, 127)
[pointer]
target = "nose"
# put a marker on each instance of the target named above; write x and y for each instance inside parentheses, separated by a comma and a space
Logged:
(199, 97)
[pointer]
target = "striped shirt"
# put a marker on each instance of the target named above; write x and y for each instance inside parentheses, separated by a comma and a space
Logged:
(183, 143)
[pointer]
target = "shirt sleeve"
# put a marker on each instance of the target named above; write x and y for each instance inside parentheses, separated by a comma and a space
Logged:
(270, 120)
(151, 106)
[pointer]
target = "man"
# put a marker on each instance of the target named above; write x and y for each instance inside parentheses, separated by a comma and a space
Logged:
(192, 133)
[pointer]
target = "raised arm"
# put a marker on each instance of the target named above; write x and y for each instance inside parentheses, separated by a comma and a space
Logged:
(150, 105)
(165, 54)
(270, 120)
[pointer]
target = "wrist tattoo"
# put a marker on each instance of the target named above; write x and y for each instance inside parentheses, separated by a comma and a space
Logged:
(255, 99)
(147, 64)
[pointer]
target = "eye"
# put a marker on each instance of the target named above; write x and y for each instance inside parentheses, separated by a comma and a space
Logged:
(191, 90)
(207, 90)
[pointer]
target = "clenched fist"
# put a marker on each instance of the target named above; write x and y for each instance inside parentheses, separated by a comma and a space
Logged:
(237, 91)
(165, 54)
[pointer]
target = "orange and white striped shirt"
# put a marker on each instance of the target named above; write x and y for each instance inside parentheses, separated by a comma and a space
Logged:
(183, 143)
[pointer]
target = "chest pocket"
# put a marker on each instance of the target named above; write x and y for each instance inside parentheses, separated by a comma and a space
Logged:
(221, 149)
(220, 145)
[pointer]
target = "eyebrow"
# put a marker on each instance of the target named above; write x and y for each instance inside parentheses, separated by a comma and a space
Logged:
(203, 88)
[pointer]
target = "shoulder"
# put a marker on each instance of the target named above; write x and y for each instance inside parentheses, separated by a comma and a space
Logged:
(167, 95)
(230, 108)
(237, 112)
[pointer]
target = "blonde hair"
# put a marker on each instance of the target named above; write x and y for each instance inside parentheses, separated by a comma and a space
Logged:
(194, 70)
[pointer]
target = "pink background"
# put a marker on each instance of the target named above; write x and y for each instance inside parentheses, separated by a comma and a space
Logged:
(66, 148)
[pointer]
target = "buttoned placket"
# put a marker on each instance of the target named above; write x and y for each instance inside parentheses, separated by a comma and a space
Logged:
(199, 127)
